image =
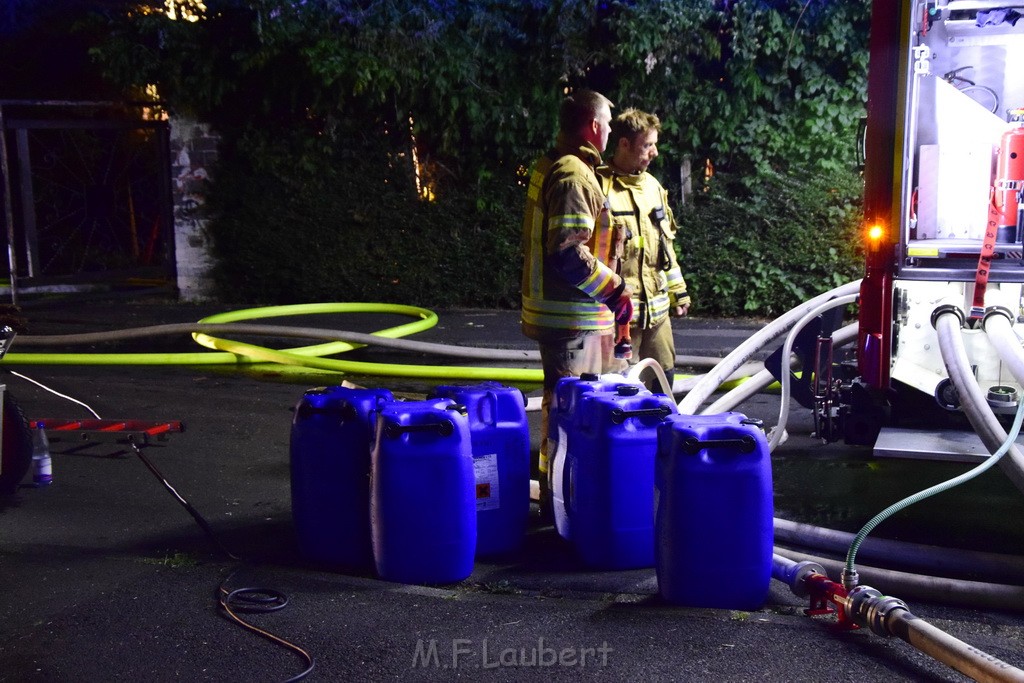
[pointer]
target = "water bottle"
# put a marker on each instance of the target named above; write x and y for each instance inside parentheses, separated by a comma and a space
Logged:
(42, 467)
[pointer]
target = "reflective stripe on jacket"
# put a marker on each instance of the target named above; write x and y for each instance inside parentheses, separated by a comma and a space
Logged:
(639, 206)
(569, 250)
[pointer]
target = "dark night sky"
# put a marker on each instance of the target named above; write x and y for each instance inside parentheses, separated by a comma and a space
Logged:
(40, 55)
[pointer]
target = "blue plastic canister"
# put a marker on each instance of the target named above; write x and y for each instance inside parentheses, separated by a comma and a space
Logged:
(500, 441)
(567, 395)
(331, 438)
(713, 511)
(422, 493)
(569, 390)
(608, 478)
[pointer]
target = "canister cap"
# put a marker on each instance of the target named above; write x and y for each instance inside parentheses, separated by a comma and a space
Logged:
(627, 390)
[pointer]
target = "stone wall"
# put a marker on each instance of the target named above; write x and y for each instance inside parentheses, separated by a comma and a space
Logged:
(193, 151)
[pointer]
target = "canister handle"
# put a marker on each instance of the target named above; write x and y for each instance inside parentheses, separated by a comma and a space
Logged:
(619, 415)
(693, 446)
(560, 476)
(393, 430)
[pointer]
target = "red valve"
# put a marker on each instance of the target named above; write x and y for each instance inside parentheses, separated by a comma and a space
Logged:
(829, 597)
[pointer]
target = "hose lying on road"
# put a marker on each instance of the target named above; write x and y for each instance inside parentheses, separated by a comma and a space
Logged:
(937, 589)
(339, 341)
(308, 357)
(907, 557)
(888, 616)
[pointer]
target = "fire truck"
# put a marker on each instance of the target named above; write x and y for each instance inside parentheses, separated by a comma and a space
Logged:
(943, 210)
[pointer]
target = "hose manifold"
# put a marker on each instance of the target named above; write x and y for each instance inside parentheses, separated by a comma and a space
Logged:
(948, 308)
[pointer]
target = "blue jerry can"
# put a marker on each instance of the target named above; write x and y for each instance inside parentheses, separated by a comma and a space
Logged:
(422, 493)
(500, 440)
(567, 395)
(330, 442)
(714, 511)
(608, 477)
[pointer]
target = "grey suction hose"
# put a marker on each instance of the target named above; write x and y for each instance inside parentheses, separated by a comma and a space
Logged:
(940, 590)
(948, 322)
(888, 616)
(999, 329)
(510, 355)
(471, 352)
(710, 382)
(710, 362)
(654, 366)
(907, 557)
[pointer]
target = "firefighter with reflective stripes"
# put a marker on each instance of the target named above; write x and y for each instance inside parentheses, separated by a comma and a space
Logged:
(639, 208)
(573, 293)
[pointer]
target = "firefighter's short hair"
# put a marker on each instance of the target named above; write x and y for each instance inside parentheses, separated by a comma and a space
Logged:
(633, 122)
(580, 108)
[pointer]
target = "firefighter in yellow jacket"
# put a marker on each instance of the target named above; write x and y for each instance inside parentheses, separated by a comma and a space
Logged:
(639, 207)
(573, 294)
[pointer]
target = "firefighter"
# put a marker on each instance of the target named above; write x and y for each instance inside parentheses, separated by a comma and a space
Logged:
(639, 208)
(573, 294)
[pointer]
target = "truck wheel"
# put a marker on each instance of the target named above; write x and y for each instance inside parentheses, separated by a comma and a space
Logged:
(16, 447)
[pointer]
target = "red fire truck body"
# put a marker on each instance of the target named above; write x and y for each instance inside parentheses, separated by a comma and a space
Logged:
(943, 206)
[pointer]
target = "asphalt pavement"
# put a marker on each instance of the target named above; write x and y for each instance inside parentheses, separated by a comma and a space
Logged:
(108, 576)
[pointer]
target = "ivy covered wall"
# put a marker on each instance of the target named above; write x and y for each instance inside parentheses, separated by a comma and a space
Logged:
(377, 150)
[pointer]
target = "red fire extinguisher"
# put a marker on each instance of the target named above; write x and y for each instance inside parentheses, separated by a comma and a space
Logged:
(1009, 180)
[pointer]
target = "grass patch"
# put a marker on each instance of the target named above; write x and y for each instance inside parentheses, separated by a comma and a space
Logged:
(175, 560)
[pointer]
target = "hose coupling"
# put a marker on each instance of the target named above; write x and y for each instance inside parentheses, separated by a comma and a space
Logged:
(796, 576)
(996, 310)
(948, 308)
(850, 579)
(868, 607)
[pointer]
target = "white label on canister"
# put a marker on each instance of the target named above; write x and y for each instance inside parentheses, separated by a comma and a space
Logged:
(485, 472)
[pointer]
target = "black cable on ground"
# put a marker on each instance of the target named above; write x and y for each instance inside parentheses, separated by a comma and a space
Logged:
(253, 600)
(250, 599)
(203, 524)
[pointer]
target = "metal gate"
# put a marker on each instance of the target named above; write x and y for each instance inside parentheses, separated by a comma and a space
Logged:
(86, 196)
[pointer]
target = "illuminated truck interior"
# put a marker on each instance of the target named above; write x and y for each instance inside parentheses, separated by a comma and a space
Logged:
(943, 178)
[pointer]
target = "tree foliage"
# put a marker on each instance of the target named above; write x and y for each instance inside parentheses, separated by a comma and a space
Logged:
(762, 249)
(323, 99)
(758, 87)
